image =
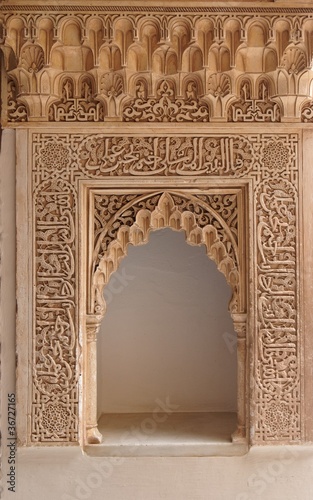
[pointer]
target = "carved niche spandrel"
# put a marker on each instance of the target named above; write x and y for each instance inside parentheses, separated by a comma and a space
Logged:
(209, 219)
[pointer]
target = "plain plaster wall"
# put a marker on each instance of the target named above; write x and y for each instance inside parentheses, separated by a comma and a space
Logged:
(167, 331)
(7, 281)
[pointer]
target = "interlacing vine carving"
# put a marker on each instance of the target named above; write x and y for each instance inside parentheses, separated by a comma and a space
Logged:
(307, 112)
(278, 350)
(17, 111)
(132, 223)
(166, 107)
(111, 212)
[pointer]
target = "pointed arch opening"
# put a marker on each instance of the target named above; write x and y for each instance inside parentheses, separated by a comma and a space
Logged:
(208, 222)
(167, 338)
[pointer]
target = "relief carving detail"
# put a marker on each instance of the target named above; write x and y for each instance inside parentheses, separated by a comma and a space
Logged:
(157, 66)
(269, 161)
(55, 397)
(121, 220)
(166, 107)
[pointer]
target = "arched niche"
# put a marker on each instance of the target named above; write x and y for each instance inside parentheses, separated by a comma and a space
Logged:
(96, 36)
(16, 34)
(167, 331)
(45, 36)
(132, 224)
(205, 37)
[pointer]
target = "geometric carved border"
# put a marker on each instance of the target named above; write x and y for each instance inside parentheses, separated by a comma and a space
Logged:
(269, 161)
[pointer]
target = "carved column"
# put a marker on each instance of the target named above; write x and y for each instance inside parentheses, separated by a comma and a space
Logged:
(240, 321)
(93, 436)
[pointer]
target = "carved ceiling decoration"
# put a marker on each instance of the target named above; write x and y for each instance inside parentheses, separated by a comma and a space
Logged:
(156, 64)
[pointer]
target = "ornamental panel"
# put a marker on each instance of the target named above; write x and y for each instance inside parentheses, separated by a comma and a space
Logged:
(61, 161)
(158, 64)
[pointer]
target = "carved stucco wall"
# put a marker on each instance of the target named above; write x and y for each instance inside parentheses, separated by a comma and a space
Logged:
(273, 207)
(95, 64)
(91, 191)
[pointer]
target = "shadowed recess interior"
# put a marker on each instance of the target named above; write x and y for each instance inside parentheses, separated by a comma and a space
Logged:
(167, 334)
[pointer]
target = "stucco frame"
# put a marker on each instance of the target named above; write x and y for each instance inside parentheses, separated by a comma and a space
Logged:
(25, 284)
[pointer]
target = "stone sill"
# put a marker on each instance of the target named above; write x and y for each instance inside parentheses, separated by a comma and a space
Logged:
(180, 435)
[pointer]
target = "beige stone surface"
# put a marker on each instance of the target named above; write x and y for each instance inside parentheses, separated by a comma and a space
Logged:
(194, 69)
(161, 211)
(197, 119)
(272, 472)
